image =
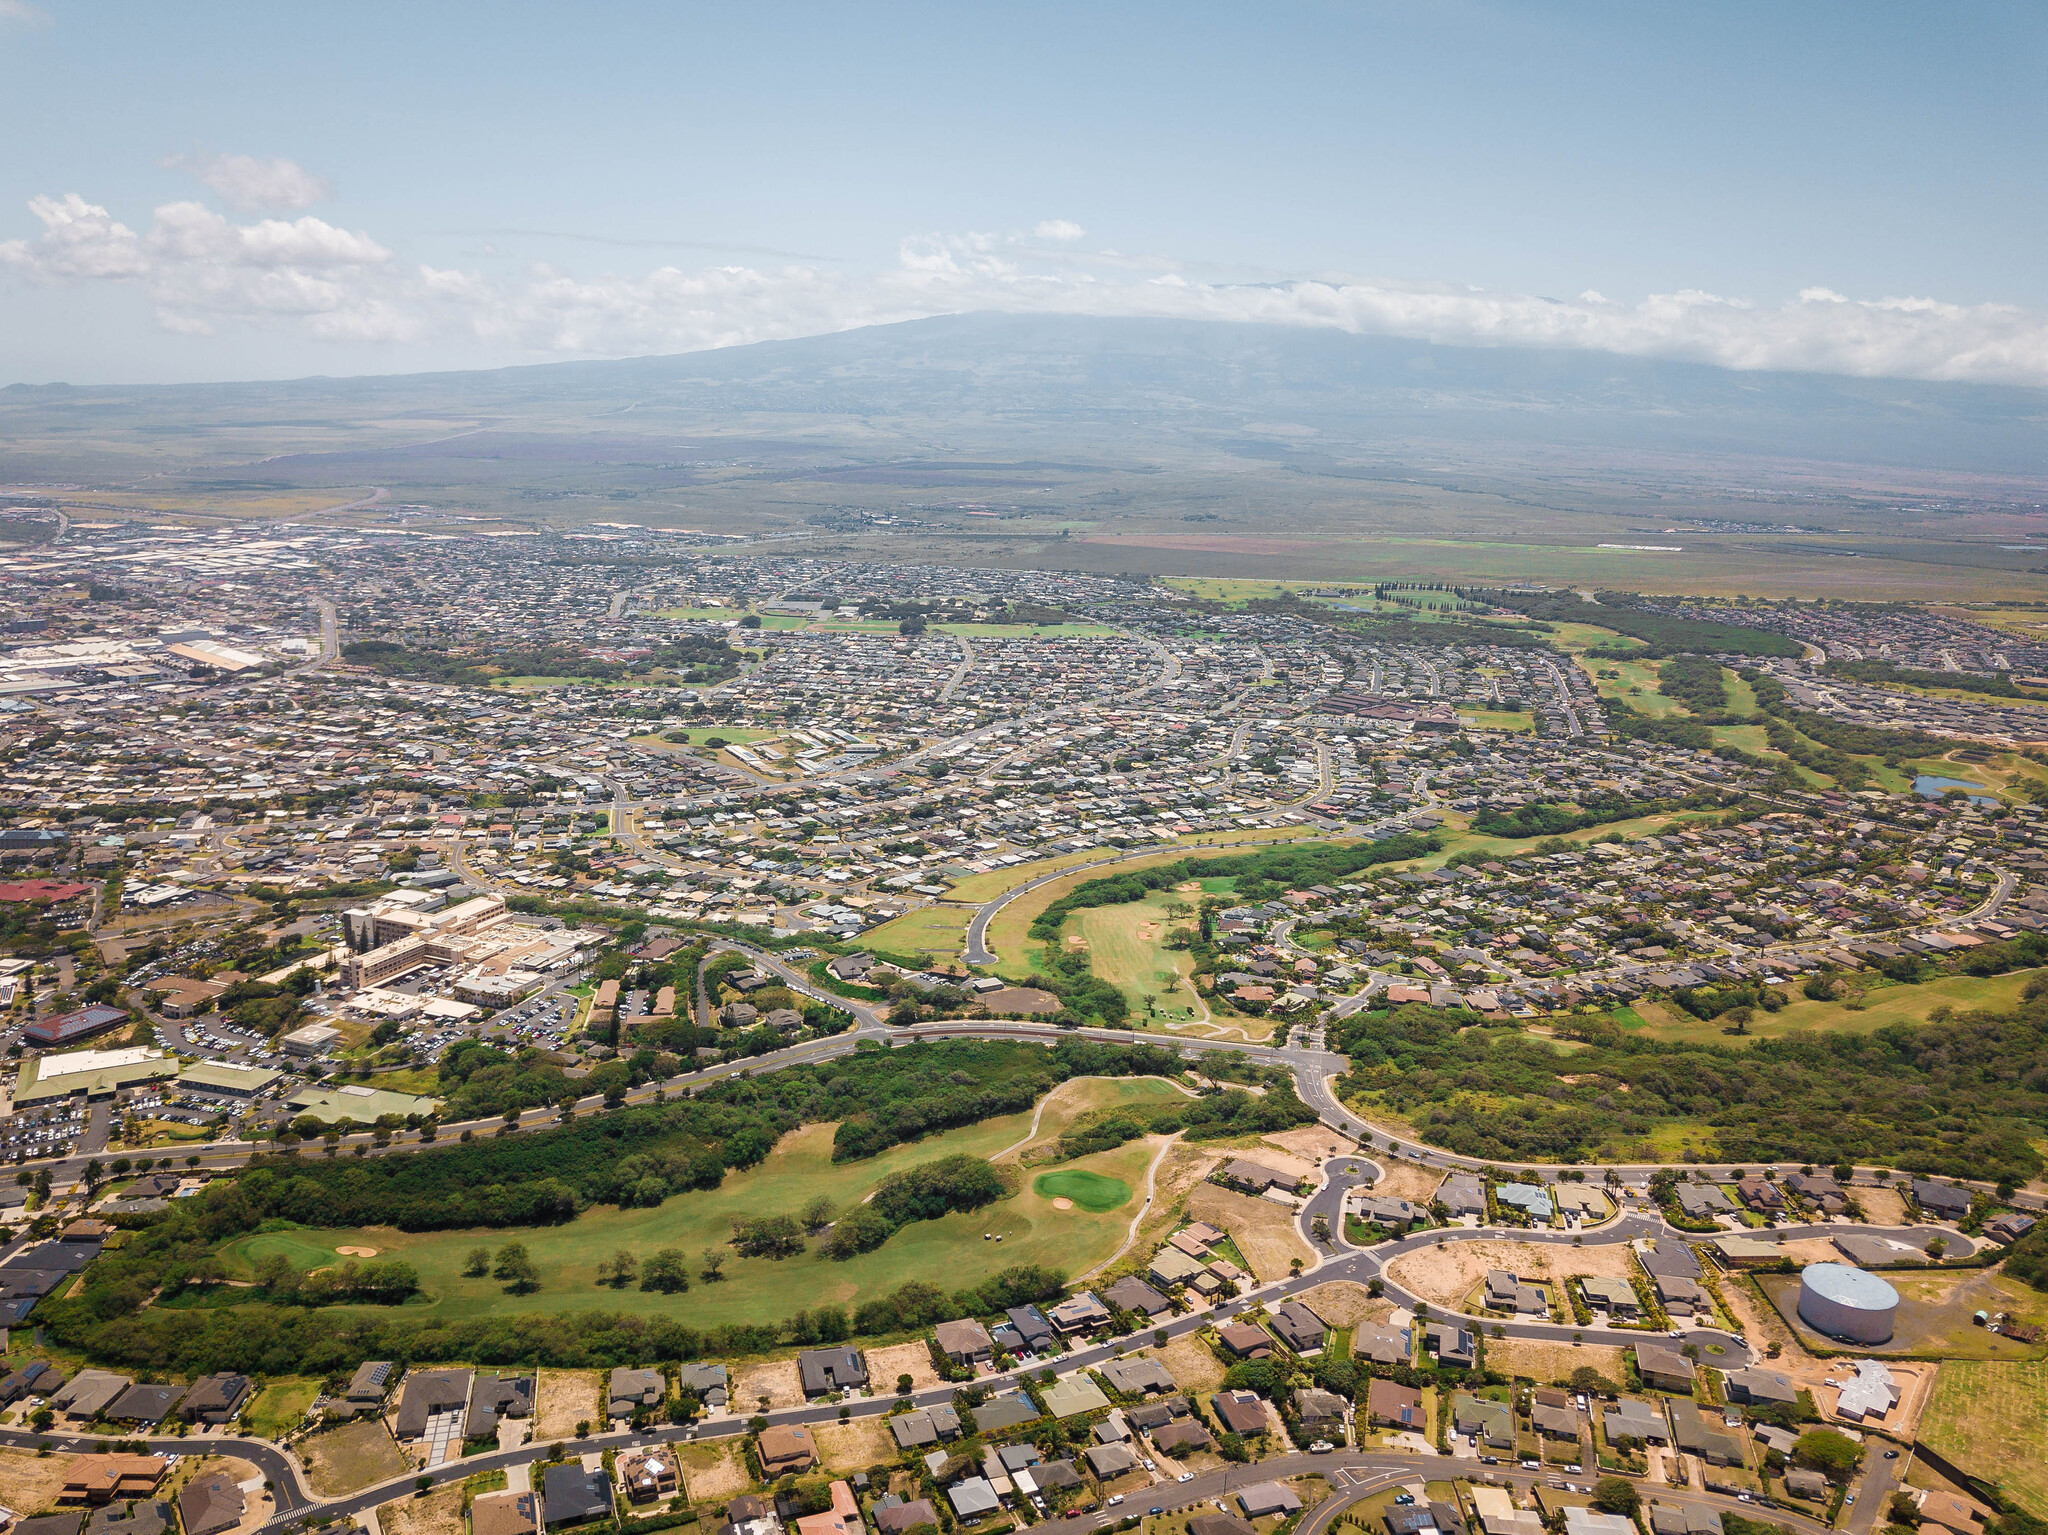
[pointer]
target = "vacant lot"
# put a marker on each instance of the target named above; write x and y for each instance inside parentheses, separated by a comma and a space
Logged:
(281, 1406)
(357, 1455)
(563, 1399)
(930, 932)
(438, 1513)
(1444, 1275)
(1264, 1232)
(713, 1470)
(913, 1359)
(1191, 1362)
(1546, 1362)
(1344, 1303)
(1992, 1420)
(855, 1445)
(1885, 1004)
(777, 1381)
(29, 1484)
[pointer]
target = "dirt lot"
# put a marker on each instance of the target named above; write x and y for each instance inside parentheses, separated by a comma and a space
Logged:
(1547, 1362)
(1444, 1275)
(1404, 1180)
(1264, 1232)
(355, 1455)
(563, 1399)
(713, 1471)
(777, 1380)
(1343, 1303)
(1310, 1144)
(1274, 1151)
(438, 1513)
(29, 1485)
(855, 1446)
(1882, 1207)
(1191, 1362)
(914, 1359)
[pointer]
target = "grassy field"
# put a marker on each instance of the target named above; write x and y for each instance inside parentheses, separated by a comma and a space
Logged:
(1992, 1420)
(1088, 1190)
(281, 1405)
(1127, 946)
(935, 932)
(1519, 720)
(698, 736)
(1887, 1004)
(1635, 682)
(961, 1248)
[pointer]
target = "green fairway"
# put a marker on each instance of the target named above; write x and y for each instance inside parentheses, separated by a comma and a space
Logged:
(1089, 1191)
(959, 1249)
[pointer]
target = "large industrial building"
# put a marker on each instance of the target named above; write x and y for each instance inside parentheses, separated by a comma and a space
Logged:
(407, 930)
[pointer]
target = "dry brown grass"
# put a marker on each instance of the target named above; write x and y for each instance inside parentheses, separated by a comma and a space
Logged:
(1309, 1143)
(714, 1470)
(1882, 1207)
(855, 1445)
(1344, 1303)
(1445, 1274)
(776, 1379)
(565, 1398)
(1264, 1232)
(29, 1484)
(913, 1358)
(355, 1455)
(1404, 1180)
(1545, 1362)
(1191, 1362)
(438, 1513)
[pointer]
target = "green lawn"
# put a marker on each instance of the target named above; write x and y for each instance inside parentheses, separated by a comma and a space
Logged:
(1089, 1191)
(934, 932)
(958, 1250)
(1127, 947)
(1499, 719)
(281, 1406)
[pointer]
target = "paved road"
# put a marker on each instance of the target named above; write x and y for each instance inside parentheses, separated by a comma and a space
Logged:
(280, 1468)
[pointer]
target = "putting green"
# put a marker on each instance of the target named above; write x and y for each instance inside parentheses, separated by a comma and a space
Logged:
(1091, 1191)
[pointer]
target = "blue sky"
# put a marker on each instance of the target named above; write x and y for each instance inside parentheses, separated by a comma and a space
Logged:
(470, 185)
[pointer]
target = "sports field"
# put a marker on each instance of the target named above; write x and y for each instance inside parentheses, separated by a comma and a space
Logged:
(962, 1249)
(1992, 1421)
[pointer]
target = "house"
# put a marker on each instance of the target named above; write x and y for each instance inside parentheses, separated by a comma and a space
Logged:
(850, 967)
(1493, 1422)
(1946, 1511)
(1133, 1294)
(1050, 1476)
(90, 1394)
(1702, 1202)
(1080, 1312)
(1554, 1422)
(1616, 1297)
(1810, 1485)
(1462, 1194)
(1070, 1397)
(1873, 1393)
(1150, 1416)
(1686, 1519)
(1695, 1434)
(1245, 1340)
(973, 1497)
(1670, 1257)
(1737, 1251)
(1031, 1327)
(831, 1369)
(366, 1388)
(906, 1516)
(1386, 1210)
(1757, 1386)
(1382, 1345)
(1504, 1292)
(505, 1513)
(1176, 1438)
(965, 1342)
(1941, 1200)
(217, 1398)
(493, 1397)
(706, 1380)
(646, 1474)
(1317, 1408)
(2008, 1228)
(1298, 1327)
(914, 1430)
(1679, 1296)
(150, 1518)
(148, 1405)
(749, 1515)
(1395, 1405)
(1241, 1412)
(1138, 1377)
(1218, 1524)
(95, 1480)
(1532, 1199)
(1760, 1194)
(1577, 1199)
(571, 1495)
(1818, 1189)
(429, 1394)
(1255, 1178)
(1267, 1498)
(1110, 1460)
(1633, 1418)
(631, 1390)
(1170, 1267)
(1663, 1366)
(211, 1503)
(1451, 1344)
(786, 1447)
(1584, 1521)
(1012, 1409)
(842, 1518)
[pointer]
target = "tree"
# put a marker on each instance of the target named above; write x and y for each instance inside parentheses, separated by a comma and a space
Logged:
(479, 1263)
(1833, 1455)
(817, 1214)
(618, 1270)
(95, 1173)
(1613, 1495)
(714, 1261)
(515, 1267)
(666, 1270)
(1901, 1509)
(1936, 1246)
(903, 1384)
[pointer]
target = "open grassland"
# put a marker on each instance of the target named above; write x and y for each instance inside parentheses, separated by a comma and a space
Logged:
(958, 1249)
(1079, 1098)
(929, 932)
(1992, 1421)
(1886, 1003)
(1127, 947)
(1519, 721)
(1635, 683)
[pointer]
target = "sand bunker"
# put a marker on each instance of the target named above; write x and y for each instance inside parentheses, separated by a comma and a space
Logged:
(1063, 1204)
(357, 1252)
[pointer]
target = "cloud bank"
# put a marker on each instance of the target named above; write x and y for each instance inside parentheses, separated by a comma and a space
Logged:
(254, 185)
(205, 271)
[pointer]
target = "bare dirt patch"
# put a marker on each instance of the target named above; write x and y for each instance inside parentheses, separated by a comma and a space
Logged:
(1063, 1204)
(563, 1399)
(1343, 1303)
(855, 1445)
(1882, 1207)
(777, 1380)
(1551, 1361)
(357, 1252)
(1280, 1152)
(1445, 1274)
(29, 1484)
(1191, 1362)
(1264, 1232)
(438, 1513)
(1403, 1180)
(913, 1359)
(713, 1470)
(356, 1455)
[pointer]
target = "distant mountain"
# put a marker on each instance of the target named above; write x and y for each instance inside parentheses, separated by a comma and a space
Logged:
(1261, 390)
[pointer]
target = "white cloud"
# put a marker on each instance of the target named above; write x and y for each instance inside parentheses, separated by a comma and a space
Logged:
(204, 270)
(21, 13)
(253, 185)
(1058, 229)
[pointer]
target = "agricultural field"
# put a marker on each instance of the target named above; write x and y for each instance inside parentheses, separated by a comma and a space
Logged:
(1991, 1420)
(962, 1247)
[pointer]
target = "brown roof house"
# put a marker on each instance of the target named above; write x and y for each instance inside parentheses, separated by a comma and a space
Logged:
(211, 1503)
(786, 1447)
(97, 1479)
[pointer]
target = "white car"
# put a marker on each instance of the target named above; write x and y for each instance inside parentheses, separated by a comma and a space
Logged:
(1185, 1476)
